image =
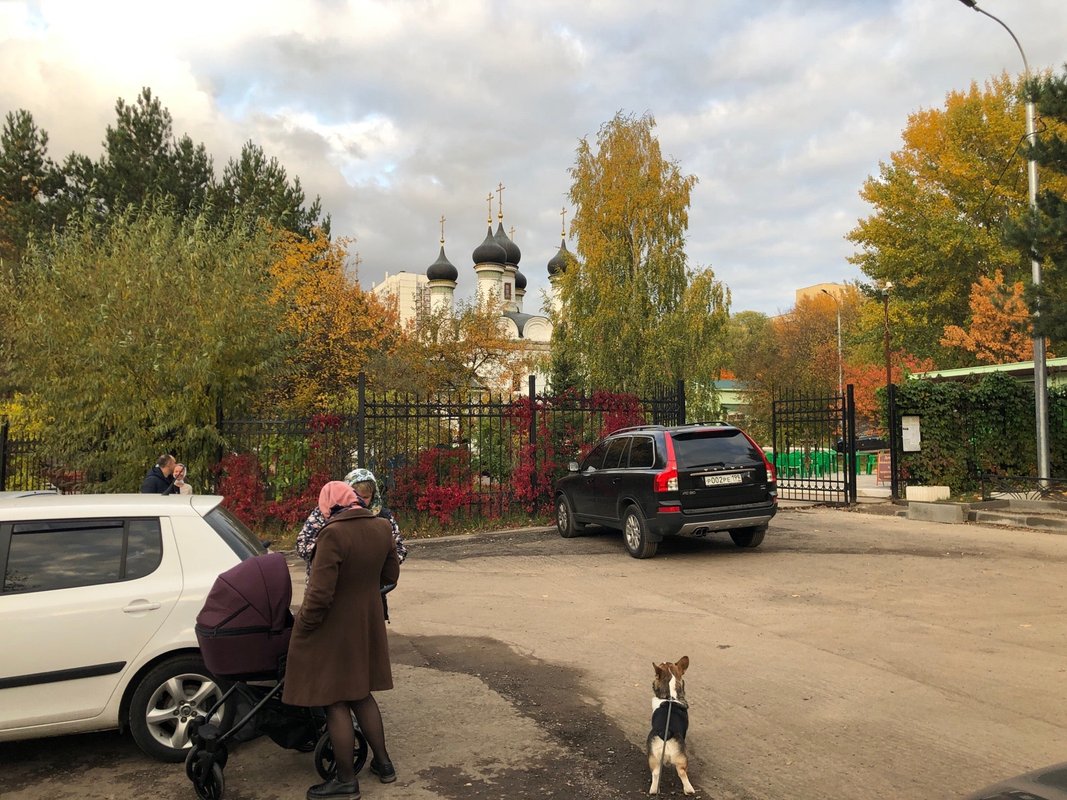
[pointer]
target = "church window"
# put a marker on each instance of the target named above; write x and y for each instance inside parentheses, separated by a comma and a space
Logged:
(507, 291)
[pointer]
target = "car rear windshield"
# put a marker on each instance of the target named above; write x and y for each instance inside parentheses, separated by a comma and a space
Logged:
(234, 532)
(714, 448)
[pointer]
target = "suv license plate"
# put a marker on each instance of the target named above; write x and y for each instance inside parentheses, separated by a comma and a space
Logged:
(721, 480)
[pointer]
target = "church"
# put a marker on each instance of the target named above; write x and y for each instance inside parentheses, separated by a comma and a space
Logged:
(496, 269)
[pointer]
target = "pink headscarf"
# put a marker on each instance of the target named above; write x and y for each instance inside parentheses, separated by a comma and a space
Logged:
(336, 493)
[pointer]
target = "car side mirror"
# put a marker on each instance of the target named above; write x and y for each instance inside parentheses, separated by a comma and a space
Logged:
(573, 466)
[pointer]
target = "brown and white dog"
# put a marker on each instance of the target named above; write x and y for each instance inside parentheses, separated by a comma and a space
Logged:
(670, 721)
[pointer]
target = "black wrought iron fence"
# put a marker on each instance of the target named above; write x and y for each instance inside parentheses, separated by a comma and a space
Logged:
(24, 465)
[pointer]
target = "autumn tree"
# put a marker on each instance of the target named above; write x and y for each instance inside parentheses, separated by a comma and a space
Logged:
(332, 328)
(1000, 329)
(462, 348)
(132, 333)
(637, 315)
(940, 206)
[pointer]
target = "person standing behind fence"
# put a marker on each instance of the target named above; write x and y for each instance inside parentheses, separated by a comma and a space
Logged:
(365, 486)
(160, 479)
(339, 650)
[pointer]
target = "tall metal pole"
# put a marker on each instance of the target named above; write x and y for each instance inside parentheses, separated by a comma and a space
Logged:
(1040, 373)
(885, 334)
(840, 368)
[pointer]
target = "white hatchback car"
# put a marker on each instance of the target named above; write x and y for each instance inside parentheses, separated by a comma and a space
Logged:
(98, 603)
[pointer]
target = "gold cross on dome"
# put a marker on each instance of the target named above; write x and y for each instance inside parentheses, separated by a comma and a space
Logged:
(442, 229)
(500, 202)
(489, 199)
(563, 228)
(512, 233)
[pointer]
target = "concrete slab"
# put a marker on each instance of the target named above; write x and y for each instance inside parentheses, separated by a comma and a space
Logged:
(937, 512)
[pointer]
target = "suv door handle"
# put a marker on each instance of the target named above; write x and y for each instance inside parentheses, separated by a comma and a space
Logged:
(140, 605)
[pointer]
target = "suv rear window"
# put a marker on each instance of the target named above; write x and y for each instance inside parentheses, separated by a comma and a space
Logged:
(710, 448)
(241, 540)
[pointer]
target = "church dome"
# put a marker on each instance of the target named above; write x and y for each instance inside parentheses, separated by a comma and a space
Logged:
(442, 269)
(510, 248)
(520, 281)
(489, 251)
(558, 262)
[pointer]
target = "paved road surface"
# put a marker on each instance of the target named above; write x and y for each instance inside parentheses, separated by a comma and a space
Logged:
(852, 656)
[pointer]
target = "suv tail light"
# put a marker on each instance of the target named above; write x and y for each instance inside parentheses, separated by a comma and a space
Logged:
(667, 480)
(771, 475)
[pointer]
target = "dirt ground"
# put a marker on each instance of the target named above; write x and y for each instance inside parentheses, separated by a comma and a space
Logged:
(851, 656)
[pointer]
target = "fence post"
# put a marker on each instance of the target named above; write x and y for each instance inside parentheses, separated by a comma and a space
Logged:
(4, 427)
(533, 432)
(361, 420)
(849, 437)
(681, 402)
(891, 412)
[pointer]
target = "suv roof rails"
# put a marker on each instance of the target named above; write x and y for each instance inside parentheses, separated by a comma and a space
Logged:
(658, 427)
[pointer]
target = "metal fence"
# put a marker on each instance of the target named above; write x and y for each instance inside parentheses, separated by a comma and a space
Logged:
(813, 446)
(23, 466)
(461, 454)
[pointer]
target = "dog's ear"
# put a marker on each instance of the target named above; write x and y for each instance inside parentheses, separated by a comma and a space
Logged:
(658, 668)
(682, 664)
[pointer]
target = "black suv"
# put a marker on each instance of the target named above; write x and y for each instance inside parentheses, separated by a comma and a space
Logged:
(654, 481)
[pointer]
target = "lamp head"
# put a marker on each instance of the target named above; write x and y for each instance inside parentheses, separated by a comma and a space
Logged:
(970, 4)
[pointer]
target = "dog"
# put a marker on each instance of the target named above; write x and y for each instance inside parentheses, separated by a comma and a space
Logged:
(670, 722)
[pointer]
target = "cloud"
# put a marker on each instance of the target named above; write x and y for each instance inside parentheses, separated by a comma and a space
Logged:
(399, 112)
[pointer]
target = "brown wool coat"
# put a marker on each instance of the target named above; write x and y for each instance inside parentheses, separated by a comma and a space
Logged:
(339, 650)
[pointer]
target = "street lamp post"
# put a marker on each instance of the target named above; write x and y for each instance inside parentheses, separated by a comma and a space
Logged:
(1040, 376)
(840, 368)
(885, 334)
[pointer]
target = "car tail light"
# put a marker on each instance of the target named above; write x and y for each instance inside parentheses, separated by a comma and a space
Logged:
(771, 475)
(670, 509)
(667, 480)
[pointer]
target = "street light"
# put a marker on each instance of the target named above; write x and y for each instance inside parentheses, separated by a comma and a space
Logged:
(1040, 377)
(885, 334)
(840, 369)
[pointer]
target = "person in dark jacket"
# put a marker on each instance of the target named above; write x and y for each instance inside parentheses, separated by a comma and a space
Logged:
(339, 651)
(160, 479)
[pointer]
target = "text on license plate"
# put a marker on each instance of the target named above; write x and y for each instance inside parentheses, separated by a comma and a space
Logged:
(721, 480)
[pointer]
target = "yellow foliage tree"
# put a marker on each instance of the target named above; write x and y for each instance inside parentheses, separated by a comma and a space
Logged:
(334, 327)
(1000, 323)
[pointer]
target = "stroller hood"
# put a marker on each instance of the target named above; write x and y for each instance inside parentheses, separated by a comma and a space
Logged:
(245, 623)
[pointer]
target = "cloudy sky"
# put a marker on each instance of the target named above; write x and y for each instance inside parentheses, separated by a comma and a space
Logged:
(398, 112)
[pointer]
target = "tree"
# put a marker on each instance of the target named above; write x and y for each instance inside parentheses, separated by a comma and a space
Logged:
(333, 328)
(142, 160)
(259, 188)
(132, 332)
(464, 348)
(1000, 323)
(637, 316)
(1046, 233)
(28, 179)
(940, 206)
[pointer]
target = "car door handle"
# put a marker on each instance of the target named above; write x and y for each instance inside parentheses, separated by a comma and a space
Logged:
(140, 605)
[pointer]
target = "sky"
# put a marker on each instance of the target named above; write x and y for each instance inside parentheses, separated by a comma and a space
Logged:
(399, 112)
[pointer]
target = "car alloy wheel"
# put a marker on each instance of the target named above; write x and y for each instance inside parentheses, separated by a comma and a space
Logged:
(635, 534)
(565, 523)
(166, 701)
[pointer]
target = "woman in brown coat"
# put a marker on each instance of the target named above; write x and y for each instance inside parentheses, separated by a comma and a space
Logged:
(339, 653)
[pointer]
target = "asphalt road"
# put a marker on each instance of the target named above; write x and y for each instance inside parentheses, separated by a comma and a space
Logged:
(851, 656)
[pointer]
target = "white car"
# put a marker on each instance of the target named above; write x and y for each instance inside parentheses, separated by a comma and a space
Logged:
(97, 607)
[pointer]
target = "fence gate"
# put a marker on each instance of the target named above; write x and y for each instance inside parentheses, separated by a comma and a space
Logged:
(814, 447)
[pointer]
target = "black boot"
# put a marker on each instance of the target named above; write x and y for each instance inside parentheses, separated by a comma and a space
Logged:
(384, 771)
(334, 789)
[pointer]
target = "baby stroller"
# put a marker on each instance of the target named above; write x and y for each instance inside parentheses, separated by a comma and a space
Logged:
(243, 630)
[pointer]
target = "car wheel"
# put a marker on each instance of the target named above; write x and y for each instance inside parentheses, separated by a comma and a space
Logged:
(635, 534)
(168, 698)
(749, 537)
(565, 522)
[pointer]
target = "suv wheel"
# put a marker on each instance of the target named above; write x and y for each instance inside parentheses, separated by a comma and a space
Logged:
(167, 699)
(635, 534)
(749, 537)
(565, 522)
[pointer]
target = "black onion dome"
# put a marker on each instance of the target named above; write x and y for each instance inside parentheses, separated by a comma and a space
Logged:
(558, 262)
(489, 251)
(520, 281)
(512, 249)
(442, 269)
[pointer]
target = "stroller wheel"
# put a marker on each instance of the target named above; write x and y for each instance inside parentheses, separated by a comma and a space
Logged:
(198, 761)
(326, 763)
(210, 785)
